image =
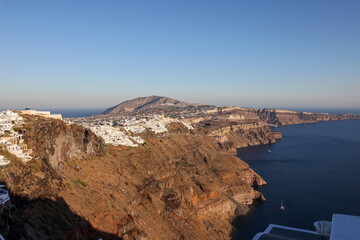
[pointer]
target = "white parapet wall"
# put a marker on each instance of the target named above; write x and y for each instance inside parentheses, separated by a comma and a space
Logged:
(46, 114)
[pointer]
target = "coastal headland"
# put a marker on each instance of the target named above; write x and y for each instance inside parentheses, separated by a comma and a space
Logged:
(152, 168)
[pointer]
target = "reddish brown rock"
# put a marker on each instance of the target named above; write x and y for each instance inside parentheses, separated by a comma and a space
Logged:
(183, 187)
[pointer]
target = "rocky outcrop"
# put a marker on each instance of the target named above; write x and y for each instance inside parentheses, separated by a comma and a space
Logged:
(233, 134)
(284, 117)
(54, 144)
(235, 127)
(276, 116)
(57, 143)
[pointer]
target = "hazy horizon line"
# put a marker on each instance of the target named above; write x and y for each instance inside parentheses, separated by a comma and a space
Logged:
(227, 105)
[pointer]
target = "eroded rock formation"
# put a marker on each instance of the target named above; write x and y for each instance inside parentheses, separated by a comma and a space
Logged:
(233, 128)
(284, 117)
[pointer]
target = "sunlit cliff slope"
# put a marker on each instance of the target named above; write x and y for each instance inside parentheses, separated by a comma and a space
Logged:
(178, 185)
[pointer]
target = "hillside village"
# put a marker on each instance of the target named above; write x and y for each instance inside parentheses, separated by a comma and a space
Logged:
(121, 130)
(11, 129)
(116, 130)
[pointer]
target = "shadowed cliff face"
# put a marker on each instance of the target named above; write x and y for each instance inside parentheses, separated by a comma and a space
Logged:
(47, 218)
(178, 185)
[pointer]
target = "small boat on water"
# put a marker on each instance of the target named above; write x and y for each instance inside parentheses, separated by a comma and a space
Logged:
(269, 151)
(282, 207)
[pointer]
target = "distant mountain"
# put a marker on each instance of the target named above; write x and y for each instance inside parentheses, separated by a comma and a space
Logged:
(144, 103)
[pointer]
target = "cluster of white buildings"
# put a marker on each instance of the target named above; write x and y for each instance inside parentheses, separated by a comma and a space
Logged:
(115, 136)
(10, 139)
(8, 120)
(124, 131)
(155, 123)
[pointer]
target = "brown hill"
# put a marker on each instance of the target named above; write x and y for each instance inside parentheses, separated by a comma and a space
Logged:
(143, 103)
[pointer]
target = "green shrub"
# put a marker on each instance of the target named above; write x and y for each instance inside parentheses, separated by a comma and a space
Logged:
(79, 182)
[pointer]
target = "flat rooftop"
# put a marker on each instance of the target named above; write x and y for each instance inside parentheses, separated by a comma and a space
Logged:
(343, 227)
(277, 232)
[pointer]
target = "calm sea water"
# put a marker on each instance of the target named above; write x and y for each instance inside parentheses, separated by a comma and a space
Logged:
(314, 169)
(73, 113)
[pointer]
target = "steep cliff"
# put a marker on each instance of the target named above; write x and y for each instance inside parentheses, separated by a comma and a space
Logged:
(178, 185)
(284, 117)
(234, 128)
(231, 136)
(276, 116)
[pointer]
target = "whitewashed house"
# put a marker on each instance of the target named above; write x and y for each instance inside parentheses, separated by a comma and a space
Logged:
(3, 161)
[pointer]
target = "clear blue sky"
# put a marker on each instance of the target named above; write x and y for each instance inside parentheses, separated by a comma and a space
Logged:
(266, 53)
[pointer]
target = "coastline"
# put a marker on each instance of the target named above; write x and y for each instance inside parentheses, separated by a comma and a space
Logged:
(219, 188)
(318, 151)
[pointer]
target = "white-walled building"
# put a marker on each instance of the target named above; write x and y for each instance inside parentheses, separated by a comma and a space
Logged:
(3, 161)
(13, 143)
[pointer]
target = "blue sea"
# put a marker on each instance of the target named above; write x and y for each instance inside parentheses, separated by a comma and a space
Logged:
(74, 113)
(314, 170)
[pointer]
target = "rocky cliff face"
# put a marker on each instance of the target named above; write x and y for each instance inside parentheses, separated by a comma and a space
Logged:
(54, 143)
(278, 117)
(37, 211)
(57, 143)
(180, 185)
(235, 129)
(283, 117)
(237, 135)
